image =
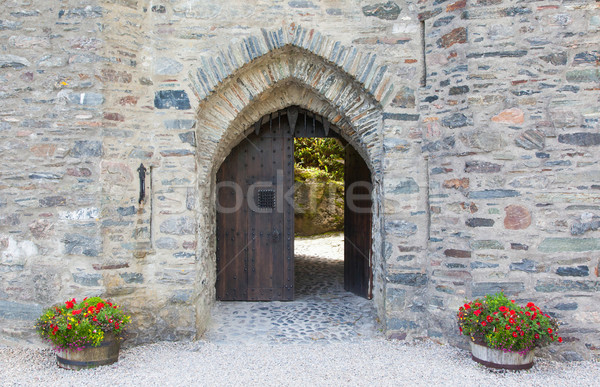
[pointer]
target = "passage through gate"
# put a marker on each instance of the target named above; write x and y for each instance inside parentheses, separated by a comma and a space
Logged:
(255, 212)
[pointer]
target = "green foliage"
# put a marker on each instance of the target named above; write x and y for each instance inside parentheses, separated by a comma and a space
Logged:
(325, 154)
(72, 325)
(499, 323)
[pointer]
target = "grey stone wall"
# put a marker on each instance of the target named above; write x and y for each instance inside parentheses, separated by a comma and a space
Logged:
(478, 119)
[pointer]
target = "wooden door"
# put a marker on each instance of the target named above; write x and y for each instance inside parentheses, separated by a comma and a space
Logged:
(255, 217)
(358, 274)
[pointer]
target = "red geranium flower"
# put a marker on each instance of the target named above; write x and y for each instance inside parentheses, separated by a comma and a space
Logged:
(537, 336)
(477, 312)
(549, 330)
(76, 312)
(70, 304)
(511, 320)
(508, 327)
(560, 339)
(489, 318)
(483, 323)
(515, 334)
(503, 309)
(530, 304)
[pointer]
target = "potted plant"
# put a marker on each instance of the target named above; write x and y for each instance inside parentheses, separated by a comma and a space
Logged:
(85, 334)
(503, 334)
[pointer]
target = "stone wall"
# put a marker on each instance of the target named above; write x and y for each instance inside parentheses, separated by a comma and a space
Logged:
(478, 119)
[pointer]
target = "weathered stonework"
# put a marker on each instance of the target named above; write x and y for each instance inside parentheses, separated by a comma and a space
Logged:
(478, 119)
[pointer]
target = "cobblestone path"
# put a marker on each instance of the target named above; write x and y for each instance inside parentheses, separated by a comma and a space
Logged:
(322, 309)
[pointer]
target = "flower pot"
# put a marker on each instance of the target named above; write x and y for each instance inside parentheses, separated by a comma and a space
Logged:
(497, 358)
(89, 357)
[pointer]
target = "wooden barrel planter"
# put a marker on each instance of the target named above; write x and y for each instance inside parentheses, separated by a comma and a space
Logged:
(496, 358)
(89, 357)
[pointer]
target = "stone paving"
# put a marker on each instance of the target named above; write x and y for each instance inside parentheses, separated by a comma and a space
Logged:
(322, 309)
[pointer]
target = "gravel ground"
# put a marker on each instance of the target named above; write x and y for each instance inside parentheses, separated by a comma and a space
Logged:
(374, 363)
(229, 361)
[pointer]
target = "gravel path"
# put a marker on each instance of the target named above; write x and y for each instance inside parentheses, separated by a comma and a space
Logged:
(374, 363)
(359, 357)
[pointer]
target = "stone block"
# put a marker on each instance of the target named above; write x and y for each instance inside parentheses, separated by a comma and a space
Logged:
(77, 244)
(458, 90)
(167, 66)
(53, 201)
(486, 245)
(401, 228)
(493, 194)
(531, 139)
(384, 11)
(480, 289)
(86, 99)
(87, 279)
(480, 222)
(456, 36)
(130, 278)
(483, 265)
(517, 217)
(398, 324)
(18, 311)
(13, 61)
(510, 116)
(482, 167)
(558, 245)
(178, 226)
(405, 187)
(581, 138)
(566, 286)
(578, 271)
(457, 253)
(525, 265)
(179, 124)
(455, 120)
(588, 75)
(567, 306)
(87, 148)
(409, 279)
(166, 99)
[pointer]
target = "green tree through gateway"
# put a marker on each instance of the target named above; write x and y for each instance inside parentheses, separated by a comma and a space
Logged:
(320, 155)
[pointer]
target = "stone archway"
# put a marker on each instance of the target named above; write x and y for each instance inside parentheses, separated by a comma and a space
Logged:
(286, 75)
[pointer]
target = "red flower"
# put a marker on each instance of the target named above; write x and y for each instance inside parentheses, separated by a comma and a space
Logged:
(537, 336)
(515, 334)
(489, 318)
(70, 304)
(512, 312)
(483, 323)
(116, 325)
(560, 339)
(76, 312)
(68, 326)
(508, 327)
(522, 333)
(91, 309)
(99, 306)
(503, 309)
(460, 329)
(530, 304)
(511, 320)
(513, 301)
(95, 319)
(477, 312)
(549, 330)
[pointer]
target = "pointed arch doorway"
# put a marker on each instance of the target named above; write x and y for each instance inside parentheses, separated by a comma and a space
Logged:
(255, 211)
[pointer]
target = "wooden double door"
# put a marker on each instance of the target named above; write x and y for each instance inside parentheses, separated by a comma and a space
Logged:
(255, 212)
